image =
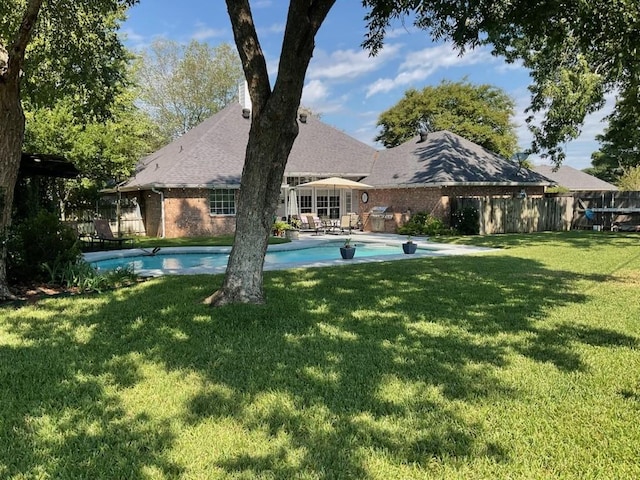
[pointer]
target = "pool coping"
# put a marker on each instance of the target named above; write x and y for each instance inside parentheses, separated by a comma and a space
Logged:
(426, 248)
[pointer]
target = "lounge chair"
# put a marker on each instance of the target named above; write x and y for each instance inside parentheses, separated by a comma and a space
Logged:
(355, 220)
(86, 240)
(348, 222)
(315, 224)
(104, 234)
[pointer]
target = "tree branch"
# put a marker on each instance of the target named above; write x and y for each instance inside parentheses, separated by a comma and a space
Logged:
(22, 38)
(250, 51)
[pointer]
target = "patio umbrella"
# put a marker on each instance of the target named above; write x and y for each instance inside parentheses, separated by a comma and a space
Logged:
(293, 203)
(336, 183)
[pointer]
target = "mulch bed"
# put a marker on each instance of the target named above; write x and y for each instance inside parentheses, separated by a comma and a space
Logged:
(29, 294)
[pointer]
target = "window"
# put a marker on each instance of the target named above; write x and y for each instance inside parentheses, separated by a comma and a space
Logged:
(328, 203)
(222, 201)
(322, 203)
(348, 202)
(305, 204)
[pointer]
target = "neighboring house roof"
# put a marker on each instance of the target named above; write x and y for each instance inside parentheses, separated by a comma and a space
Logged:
(573, 179)
(213, 154)
(446, 159)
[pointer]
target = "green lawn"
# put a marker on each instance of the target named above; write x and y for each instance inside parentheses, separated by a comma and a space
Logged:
(524, 363)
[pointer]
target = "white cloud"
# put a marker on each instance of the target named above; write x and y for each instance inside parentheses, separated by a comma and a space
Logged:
(131, 35)
(348, 64)
(421, 64)
(314, 92)
(204, 32)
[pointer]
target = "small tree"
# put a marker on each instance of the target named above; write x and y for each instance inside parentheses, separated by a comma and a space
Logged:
(183, 85)
(630, 179)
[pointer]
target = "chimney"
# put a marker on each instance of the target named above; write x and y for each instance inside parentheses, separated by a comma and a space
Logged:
(243, 97)
(246, 113)
(423, 134)
(303, 117)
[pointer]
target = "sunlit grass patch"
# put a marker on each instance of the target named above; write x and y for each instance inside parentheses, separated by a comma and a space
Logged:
(518, 364)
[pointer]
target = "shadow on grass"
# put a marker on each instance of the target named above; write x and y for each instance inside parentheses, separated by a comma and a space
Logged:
(577, 239)
(343, 365)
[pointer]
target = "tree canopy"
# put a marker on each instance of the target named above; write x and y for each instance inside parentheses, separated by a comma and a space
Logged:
(73, 51)
(183, 85)
(50, 50)
(620, 142)
(479, 113)
(103, 151)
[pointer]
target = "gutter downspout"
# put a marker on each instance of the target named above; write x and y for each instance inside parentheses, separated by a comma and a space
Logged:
(153, 189)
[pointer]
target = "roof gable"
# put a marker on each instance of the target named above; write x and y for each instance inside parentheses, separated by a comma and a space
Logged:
(213, 153)
(444, 158)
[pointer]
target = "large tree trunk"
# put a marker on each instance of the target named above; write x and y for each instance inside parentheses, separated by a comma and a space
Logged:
(12, 126)
(273, 130)
(270, 141)
(11, 137)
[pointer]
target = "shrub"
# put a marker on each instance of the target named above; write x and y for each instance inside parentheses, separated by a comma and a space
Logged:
(466, 221)
(422, 223)
(37, 242)
(84, 277)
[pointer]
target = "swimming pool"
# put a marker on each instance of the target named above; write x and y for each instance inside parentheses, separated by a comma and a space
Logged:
(193, 260)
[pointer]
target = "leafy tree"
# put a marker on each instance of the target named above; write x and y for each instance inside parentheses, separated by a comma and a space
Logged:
(49, 50)
(103, 151)
(481, 114)
(182, 85)
(630, 179)
(620, 142)
(585, 47)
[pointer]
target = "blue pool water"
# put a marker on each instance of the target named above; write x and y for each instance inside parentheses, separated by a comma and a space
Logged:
(199, 260)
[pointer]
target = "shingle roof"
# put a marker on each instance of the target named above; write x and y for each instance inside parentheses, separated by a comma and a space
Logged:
(573, 179)
(213, 154)
(445, 158)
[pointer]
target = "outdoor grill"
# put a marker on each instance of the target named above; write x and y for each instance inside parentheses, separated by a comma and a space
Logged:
(377, 216)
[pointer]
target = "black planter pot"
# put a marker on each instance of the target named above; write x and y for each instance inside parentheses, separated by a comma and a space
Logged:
(409, 247)
(347, 253)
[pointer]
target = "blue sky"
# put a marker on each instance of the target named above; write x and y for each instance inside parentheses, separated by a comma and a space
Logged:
(344, 84)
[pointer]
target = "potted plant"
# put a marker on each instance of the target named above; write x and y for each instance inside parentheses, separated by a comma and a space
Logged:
(347, 251)
(279, 227)
(293, 233)
(409, 246)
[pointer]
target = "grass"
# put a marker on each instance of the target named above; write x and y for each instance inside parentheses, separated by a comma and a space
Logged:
(518, 364)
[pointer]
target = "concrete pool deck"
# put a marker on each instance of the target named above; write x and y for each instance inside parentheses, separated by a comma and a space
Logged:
(426, 248)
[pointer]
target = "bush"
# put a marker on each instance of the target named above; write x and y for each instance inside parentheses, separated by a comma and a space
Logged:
(466, 221)
(422, 223)
(36, 245)
(84, 277)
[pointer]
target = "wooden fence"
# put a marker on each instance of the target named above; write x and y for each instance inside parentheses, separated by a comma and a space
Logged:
(519, 215)
(607, 208)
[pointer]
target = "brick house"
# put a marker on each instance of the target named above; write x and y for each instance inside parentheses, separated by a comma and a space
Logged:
(189, 187)
(424, 173)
